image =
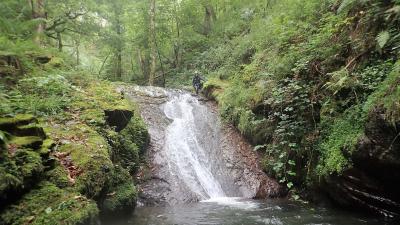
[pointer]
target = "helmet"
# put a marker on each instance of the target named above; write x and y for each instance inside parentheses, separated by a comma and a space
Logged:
(196, 72)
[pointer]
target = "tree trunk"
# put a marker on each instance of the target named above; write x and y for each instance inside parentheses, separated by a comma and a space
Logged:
(177, 43)
(209, 17)
(102, 65)
(152, 37)
(60, 43)
(119, 48)
(38, 12)
(77, 45)
(144, 63)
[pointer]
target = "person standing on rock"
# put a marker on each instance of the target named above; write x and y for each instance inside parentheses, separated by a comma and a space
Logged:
(197, 82)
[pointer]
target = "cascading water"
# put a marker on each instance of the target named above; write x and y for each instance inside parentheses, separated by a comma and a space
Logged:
(185, 155)
(191, 158)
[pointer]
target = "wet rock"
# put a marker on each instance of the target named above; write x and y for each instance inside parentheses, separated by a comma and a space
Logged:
(373, 183)
(232, 161)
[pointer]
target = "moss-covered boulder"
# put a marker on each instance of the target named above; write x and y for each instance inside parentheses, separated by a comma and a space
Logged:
(24, 158)
(11, 123)
(69, 167)
(119, 194)
(48, 204)
(129, 144)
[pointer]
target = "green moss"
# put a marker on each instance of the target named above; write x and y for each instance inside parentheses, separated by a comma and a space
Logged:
(29, 163)
(129, 144)
(27, 141)
(214, 87)
(47, 204)
(55, 62)
(19, 119)
(388, 95)
(80, 131)
(120, 192)
(136, 131)
(9, 177)
(121, 199)
(91, 161)
(47, 145)
(58, 176)
(19, 172)
(340, 141)
(94, 117)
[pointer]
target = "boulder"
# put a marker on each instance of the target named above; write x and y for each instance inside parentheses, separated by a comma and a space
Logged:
(24, 156)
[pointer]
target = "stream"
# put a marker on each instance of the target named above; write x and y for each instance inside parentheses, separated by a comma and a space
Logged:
(201, 171)
(244, 212)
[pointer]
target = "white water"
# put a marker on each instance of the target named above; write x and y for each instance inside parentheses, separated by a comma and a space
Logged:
(184, 155)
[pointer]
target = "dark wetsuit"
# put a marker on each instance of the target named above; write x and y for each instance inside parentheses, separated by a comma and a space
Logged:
(197, 83)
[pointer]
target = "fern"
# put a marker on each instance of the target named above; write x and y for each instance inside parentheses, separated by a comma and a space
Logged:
(346, 5)
(383, 38)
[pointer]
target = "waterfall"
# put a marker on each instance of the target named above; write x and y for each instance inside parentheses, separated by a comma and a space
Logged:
(192, 156)
(184, 154)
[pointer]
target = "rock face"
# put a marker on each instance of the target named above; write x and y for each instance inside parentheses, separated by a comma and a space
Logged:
(373, 183)
(192, 156)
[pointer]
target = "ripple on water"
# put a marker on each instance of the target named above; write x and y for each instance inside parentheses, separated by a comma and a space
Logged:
(239, 203)
(239, 211)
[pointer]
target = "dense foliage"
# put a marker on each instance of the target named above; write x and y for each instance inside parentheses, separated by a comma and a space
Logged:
(300, 77)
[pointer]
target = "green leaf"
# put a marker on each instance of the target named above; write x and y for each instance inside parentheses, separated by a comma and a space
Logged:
(383, 38)
(295, 197)
(3, 137)
(291, 173)
(48, 210)
(289, 185)
(259, 147)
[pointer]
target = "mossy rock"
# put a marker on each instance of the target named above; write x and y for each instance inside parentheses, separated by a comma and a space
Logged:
(33, 142)
(90, 154)
(121, 200)
(136, 130)
(92, 179)
(23, 158)
(18, 173)
(48, 204)
(119, 194)
(129, 144)
(54, 62)
(30, 130)
(10, 123)
(58, 176)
